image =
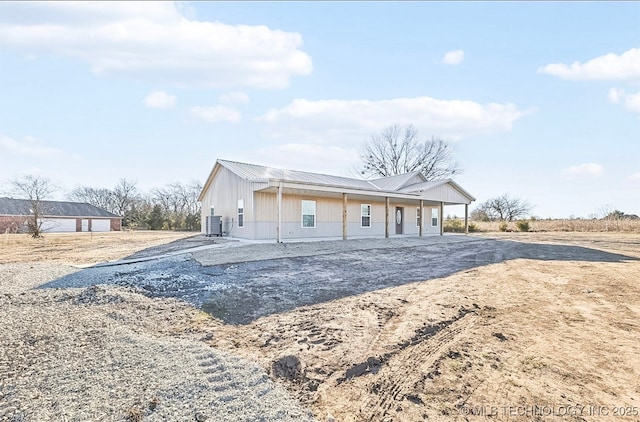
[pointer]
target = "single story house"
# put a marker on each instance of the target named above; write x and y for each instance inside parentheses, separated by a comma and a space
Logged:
(257, 202)
(57, 216)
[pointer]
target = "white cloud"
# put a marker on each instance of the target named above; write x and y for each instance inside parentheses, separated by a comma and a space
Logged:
(635, 177)
(154, 41)
(234, 98)
(29, 147)
(160, 99)
(583, 170)
(453, 57)
(615, 94)
(608, 67)
(631, 101)
(216, 114)
(354, 121)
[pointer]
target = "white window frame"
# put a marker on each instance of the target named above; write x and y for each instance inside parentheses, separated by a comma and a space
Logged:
(240, 213)
(309, 202)
(363, 215)
(435, 215)
(418, 216)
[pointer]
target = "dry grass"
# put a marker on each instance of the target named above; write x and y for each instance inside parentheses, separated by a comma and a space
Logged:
(566, 225)
(81, 248)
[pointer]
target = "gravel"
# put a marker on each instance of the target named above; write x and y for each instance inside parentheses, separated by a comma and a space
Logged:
(107, 353)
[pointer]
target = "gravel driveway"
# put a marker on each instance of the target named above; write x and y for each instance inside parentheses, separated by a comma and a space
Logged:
(240, 282)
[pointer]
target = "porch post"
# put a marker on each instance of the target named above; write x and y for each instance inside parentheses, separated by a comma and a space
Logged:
(421, 219)
(386, 216)
(279, 223)
(344, 216)
(466, 218)
(441, 218)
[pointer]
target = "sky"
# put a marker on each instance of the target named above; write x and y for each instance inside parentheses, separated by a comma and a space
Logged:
(540, 100)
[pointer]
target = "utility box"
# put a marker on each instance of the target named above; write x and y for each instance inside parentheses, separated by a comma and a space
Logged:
(214, 225)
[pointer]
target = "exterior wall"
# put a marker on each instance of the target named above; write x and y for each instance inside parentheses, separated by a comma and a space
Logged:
(116, 224)
(427, 228)
(17, 224)
(12, 224)
(223, 194)
(329, 218)
(447, 193)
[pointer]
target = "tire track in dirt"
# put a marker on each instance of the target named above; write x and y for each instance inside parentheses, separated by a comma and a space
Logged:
(396, 380)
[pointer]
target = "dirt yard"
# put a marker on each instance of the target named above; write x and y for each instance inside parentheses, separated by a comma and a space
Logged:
(81, 248)
(521, 339)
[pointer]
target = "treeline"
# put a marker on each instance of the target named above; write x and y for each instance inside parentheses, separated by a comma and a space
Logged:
(173, 207)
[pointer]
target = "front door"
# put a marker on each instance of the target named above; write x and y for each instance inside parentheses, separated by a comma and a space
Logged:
(399, 219)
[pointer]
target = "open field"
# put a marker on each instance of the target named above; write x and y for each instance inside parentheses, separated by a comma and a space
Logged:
(81, 248)
(547, 334)
(567, 225)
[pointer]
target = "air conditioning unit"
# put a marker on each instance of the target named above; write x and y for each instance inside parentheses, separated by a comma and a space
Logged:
(214, 225)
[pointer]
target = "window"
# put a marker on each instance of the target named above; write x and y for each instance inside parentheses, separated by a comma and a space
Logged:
(365, 215)
(434, 217)
(308, 214)
(240, 212)
(418, 216)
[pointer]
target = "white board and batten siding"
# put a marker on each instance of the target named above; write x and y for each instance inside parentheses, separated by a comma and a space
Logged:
(447, 194)
(223, 195)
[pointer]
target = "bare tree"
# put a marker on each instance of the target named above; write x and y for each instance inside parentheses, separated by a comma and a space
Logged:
(179, 204)
(34, 189)
(398, 150)
(503, 208)
(125, 195)
(99, 197)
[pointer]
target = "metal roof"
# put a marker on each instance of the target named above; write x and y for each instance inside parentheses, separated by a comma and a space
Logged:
(11, 206)
(258, 173)
(394, 183)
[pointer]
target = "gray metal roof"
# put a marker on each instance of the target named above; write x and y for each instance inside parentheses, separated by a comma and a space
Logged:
(11, 206)
(256, 173)
(397, 184)
(394, 183)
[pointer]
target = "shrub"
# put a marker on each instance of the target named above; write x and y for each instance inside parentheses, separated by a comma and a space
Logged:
(523, 225)
(453, 226)
(503, 226)
(457, 226)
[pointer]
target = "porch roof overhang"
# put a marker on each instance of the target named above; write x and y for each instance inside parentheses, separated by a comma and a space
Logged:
(333, 191)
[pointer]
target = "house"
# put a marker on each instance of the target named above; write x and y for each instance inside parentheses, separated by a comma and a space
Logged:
(258, 202)
(57, 216)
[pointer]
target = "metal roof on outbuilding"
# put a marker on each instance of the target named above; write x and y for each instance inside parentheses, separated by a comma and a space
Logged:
(20, 207)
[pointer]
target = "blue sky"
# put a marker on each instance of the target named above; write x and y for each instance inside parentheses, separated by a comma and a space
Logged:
(541, 100)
